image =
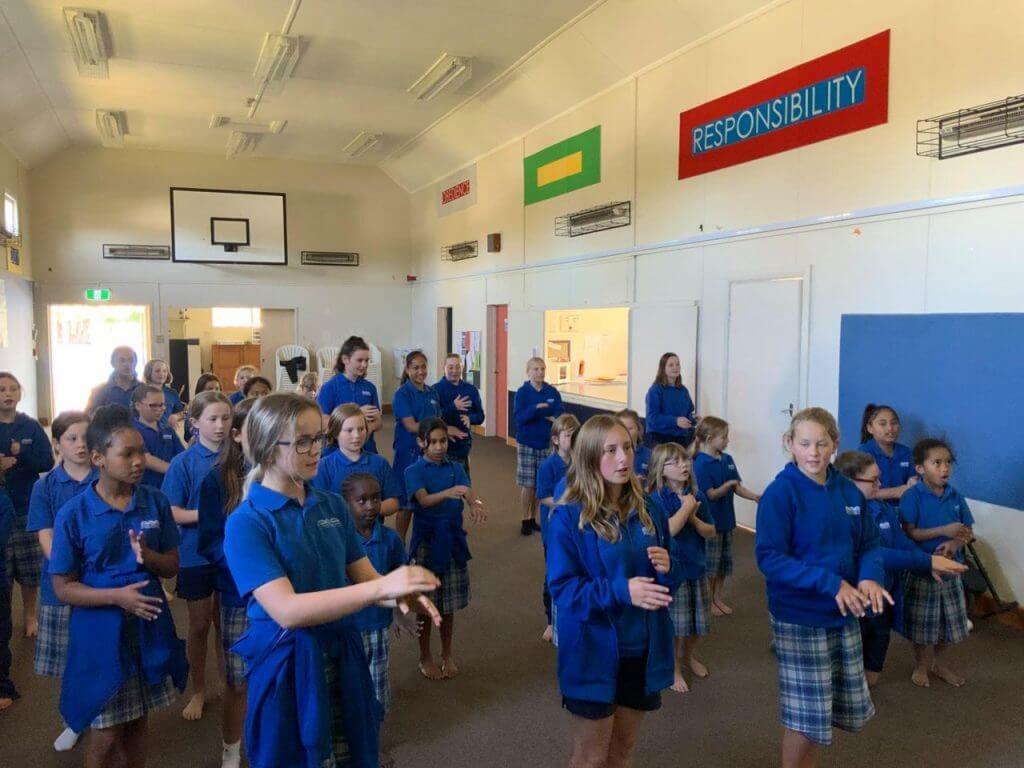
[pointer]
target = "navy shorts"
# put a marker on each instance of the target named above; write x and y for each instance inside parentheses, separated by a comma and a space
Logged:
(630, 691)
(197, 582)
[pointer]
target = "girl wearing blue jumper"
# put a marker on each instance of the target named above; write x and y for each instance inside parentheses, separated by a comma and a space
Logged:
(112, 544)
(24, 454)
(611, 578)
(460, 408)
(294, 551)
(641, 453)
(671, 416)
(210, 415)
(899, 554)
(414, 402)
(718, 477)
(815, 541)
(162, 442)
(439, 489)
(219, 494)
(537, 405)
(879, 437)
(936, 517)
(69, 478)
(672, 489)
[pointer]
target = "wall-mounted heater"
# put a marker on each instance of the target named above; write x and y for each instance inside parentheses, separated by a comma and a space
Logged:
(596, 219)
(460, 251)
(140, 252)
(330, 258)
(976, 129)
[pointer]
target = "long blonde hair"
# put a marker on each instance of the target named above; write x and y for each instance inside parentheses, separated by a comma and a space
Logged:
(662, 455)
(269, 418)
(585, 485)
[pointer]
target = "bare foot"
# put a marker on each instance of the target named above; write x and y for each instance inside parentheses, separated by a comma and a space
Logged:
(716, 611)
(194, 709)
(5, 703)
(946, 675)
(430, 670)
(698, 668)
(725, 609)
(387, 760)
(31, 626)
(449, 669)
(548, 635)
(871, 677)
(679, 684)
(920, 677)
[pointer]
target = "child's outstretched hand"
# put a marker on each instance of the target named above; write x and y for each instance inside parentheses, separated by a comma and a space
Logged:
(876, 595)
(851, 600)
(645, 593)
(410, 605)
(407, 623)
(477, 511)
(138, 547)
(660, 559)
(943, 565)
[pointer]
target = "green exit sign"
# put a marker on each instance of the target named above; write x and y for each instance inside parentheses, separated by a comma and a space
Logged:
(97, 294)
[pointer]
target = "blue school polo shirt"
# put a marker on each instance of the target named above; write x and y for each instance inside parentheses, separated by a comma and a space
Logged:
(533, 428)
(419, 404)
(810, 538)
(163, 443)
(173, 405)
(922, 508)
(663, 406)
(434, 477)
(895, 470)
(181, 486)
(386, 553)
(111, 393)
(90, 538)
(339, 390)
(236, 397)
(552, 470)
(210, 544)
(687, 545)
(270, 536)
(447, 392)
(641, 459)
(49, 494)
(714, 473)
(34, 458)
(333, 470)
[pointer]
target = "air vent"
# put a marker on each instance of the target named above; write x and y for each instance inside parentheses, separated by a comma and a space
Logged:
(976, 129)
(330, 258)
(138, 252)
(596, 219)
(460, 251)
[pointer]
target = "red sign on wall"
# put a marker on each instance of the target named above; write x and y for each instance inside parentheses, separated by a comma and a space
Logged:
(838, 93)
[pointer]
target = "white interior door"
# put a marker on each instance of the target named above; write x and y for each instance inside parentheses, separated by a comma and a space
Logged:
(763, 378)
(277, 330)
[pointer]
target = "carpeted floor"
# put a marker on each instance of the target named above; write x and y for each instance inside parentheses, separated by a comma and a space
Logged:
(504, 708)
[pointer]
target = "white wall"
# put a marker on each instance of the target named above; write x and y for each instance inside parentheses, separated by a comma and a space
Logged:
(86, 198)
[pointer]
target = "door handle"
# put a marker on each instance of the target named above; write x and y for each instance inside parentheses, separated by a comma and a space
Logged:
(788, 411)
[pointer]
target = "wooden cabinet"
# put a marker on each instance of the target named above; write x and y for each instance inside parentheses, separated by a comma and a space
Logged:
(227, 357)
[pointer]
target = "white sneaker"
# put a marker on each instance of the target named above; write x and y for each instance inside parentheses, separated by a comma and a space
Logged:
(231, 755)
(66, 741)
(970, 625)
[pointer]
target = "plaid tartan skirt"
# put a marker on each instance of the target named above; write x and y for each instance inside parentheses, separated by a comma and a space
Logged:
(134, 698)
(527, 461)
(52, 642)
(719, 554)
(24, 556)
(689, 608)
(934, 612)
(821, 679)
(453, 594)
(377, 647)
(234, 623)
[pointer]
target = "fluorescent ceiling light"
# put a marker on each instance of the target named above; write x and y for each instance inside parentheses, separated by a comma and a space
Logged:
(278, 57)
(84, 28)
(447, 72)
(223, 121)
(362, 144)
(240, 142)
(112, 126)
(1000, 121)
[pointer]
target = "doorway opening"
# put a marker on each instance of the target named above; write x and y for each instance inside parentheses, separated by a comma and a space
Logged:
(444, 338)
(497, 371)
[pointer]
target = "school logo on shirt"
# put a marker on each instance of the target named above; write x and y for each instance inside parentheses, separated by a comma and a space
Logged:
(329, 522)
(884, 526)
(904, 463)
(853, 510)
(150, 525)
(551, 399)
(166, 437)
(365, 392)
(26, 441)
(732, 467)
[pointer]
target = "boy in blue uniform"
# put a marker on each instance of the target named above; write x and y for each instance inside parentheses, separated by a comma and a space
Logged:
(162, 442)
(936, 517)
(349, 385)
(814, 543)
(117, 390)
(460, 408)
(8, 693)
(537, 404)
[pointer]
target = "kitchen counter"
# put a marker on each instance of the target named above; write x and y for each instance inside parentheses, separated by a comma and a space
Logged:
(612, 395)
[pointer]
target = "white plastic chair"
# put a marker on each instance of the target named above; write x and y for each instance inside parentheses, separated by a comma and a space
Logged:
(287, 352)
(374, 371)
(325, 357)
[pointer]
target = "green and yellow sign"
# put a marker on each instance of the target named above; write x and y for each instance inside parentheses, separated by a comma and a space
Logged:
(563, 167)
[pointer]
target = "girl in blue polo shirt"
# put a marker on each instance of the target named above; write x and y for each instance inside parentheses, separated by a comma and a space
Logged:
(671, 487)
(158, 373)
(350, 385)
(819, 552)
(347, 428)
(25, 453)
(879, 436)
(671, 417)
(414, 402)
(295, 552)
(210, 416)
(112, 543)
(717, 476)
(611, 577)
(641, 453)
(537, 405)
(69, 478)
(439, 488)
(162, 442)
(936, 517)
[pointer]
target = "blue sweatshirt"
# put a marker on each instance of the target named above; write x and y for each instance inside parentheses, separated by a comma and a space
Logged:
(714, 473)
(810, 538)
(688, 546)
(664, 405)
(447, 392)
(899, 554)
(533, 427)
(550, 471)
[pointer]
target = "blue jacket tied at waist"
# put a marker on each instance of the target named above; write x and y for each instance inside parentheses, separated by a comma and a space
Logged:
(445, 537)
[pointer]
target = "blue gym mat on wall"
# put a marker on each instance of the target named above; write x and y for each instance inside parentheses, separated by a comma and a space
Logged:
(955, 376)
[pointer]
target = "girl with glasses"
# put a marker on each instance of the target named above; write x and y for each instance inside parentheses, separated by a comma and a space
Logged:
(162, 443)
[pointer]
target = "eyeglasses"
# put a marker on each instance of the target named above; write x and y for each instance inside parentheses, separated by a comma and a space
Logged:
(306, 444)
(872, 480)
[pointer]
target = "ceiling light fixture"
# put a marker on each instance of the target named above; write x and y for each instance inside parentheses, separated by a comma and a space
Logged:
(447, 72)
(112, 125)
(84, 28)
(362, 144)
(241, 142)
(278, 57)
(223, 121)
